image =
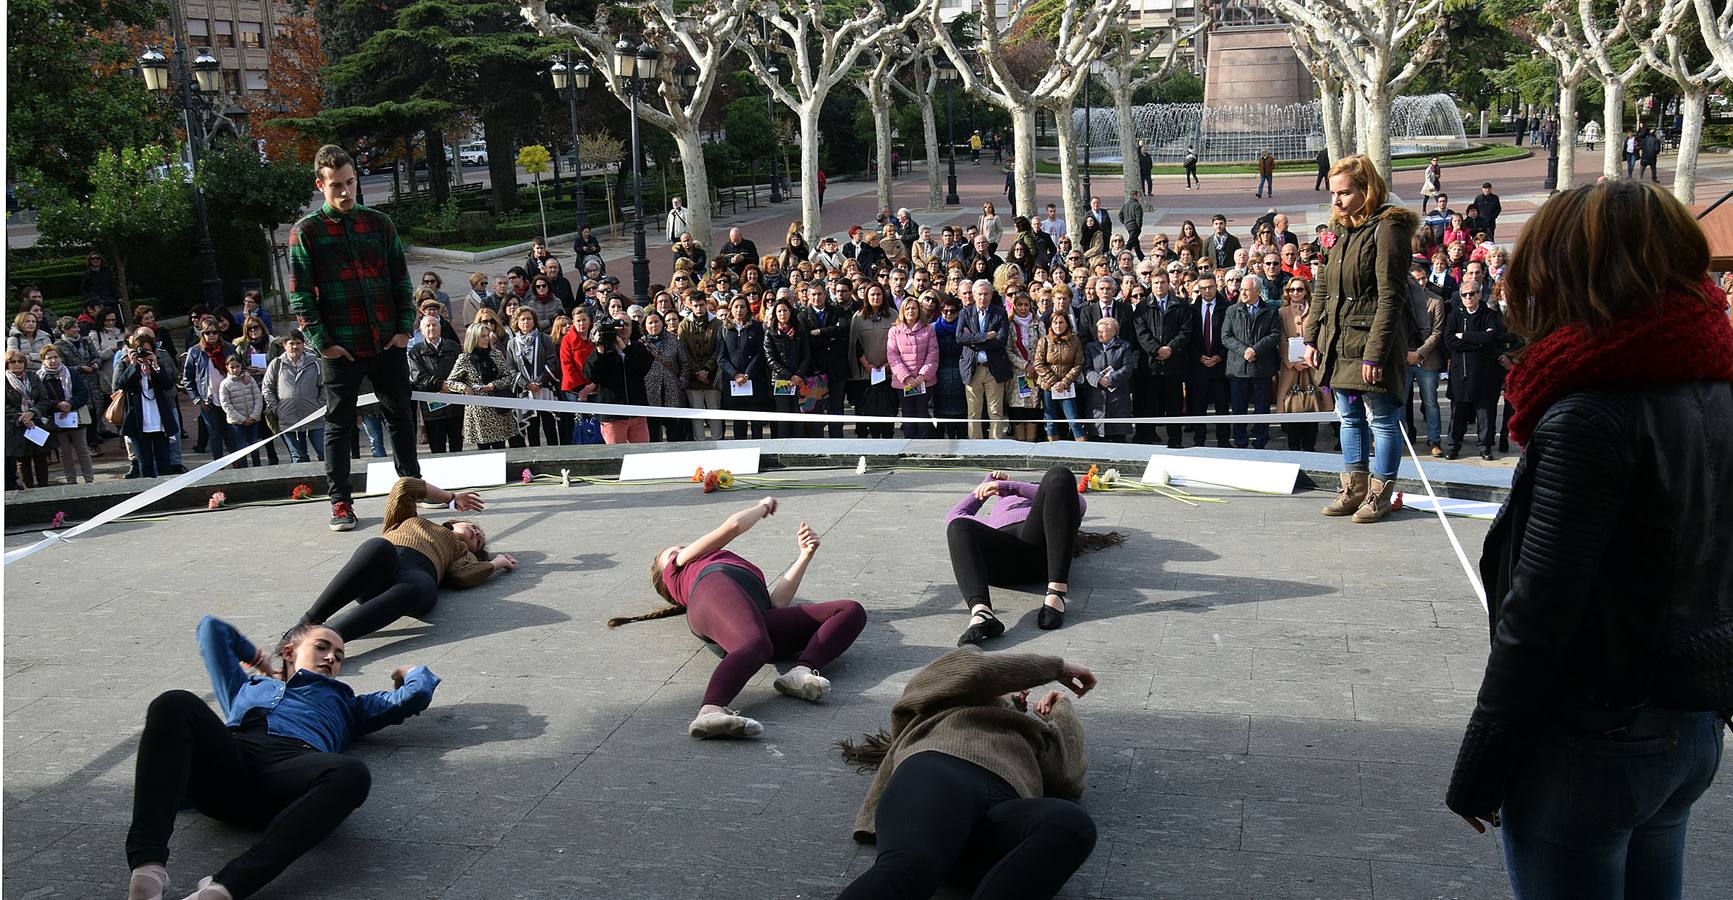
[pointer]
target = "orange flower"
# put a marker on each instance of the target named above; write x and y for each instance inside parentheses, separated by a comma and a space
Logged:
(1083, 484)
(698, 475)
(710, 482)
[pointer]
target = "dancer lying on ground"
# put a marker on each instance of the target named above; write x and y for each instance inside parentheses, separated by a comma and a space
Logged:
(398, 573)
(279, 760)
(726, 601)
(970, 787)
(1031, 533)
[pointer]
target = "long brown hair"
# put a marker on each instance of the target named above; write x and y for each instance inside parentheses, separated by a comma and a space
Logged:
(663, 612)
(868, 753)
(1596, 253)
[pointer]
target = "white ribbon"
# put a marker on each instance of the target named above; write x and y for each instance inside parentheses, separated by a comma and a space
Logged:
(1456, 545)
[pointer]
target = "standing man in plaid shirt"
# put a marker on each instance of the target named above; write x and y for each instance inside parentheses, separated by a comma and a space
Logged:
(349, 283)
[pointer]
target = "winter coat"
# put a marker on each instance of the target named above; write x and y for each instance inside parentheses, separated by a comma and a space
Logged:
(1293, 325)
(1475, 373)
(484, 424)
(130, 378)
(670, 370)
(1058, 360)
(787, 356)
(430, 368)
(55, 392)
(16, 404)
(1022, 354)
(533, 357)
(294, 390)
(867, 338)
(1258, 328)
(1110, 402)
(575, 350)
(973, 338)
(241, 400)
(619, 376)
(742, 353)
(1362, 312)
(1433, 357)
(913, 353)
(30, 347)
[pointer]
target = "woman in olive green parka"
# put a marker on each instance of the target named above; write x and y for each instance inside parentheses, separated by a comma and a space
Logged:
(1359, 333)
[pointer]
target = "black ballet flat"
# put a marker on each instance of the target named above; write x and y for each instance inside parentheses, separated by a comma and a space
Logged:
(1049, 618)
(985, 630)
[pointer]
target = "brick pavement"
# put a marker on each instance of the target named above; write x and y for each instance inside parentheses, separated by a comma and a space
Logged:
(1280, 702)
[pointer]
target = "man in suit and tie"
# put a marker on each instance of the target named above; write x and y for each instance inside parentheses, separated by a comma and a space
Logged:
(985, 364)
(1103, 301)
(1162, 333)
(1206, 381)
(1221, 246)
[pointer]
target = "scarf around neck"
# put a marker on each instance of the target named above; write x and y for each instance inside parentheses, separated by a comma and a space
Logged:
(1684, 339)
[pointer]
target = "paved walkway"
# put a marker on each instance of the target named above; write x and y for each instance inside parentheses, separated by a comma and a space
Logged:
(1280, 702)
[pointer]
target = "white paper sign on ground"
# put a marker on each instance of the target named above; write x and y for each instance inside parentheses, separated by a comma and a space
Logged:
(449, 472)
(1467, 509)
(681, 464)
(1240, 474)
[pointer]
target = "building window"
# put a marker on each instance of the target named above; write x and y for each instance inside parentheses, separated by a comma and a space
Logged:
(198, 32)
(225, 36)
(252, 34)
(255, 80)
(231, 81)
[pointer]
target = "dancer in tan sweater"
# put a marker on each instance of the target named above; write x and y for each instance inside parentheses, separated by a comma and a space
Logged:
(398, 573)
(971, 785)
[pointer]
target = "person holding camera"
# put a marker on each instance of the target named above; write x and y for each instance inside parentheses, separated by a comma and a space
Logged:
(618, 367)
(728, 602)
(150, 404)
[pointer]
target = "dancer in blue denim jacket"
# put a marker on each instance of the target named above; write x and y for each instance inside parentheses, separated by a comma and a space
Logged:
(277, 758)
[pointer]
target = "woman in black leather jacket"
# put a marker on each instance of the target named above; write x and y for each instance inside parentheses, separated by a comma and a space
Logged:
(1609, 571)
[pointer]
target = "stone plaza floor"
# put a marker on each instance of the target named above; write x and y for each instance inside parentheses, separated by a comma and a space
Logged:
(1280, 700)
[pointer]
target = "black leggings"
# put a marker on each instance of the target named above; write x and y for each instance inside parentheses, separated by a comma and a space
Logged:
(942, 818)
(246, 777)
(389, 582)
(1040, 545)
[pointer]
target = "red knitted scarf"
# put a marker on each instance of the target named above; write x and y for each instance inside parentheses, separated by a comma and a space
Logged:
(1686, 339)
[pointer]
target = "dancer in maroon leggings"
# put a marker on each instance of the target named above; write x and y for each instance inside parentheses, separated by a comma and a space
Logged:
(728, 603)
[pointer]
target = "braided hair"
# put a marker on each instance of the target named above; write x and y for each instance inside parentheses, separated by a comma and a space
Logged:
(672, 609)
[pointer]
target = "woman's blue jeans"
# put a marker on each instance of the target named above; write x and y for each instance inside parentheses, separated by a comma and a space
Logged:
(1598, 819)
(299, 442)
(1379, 439)
(1062, 412)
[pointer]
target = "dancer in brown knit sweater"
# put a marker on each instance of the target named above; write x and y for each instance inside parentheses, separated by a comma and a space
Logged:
(972, 787)
(398, 573)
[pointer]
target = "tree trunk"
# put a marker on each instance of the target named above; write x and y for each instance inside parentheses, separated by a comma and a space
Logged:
(1376, 125)
(1350, 127)
(116, 253)
(1692, 104)
(880, 101)
(501, 163)
(1612, 128)
(1070, 185)
(1331, 107)
(409, 165)
(1023, 163)
(691, 145)
(811, 220)
(1567, 135)
(1127, 133)
(456, 160)
(277, 273)
(930, 134)
(436, 174)
(1484, 122)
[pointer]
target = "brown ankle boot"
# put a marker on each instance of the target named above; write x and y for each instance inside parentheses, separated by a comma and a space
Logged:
(1377, 504)
(1349, 496)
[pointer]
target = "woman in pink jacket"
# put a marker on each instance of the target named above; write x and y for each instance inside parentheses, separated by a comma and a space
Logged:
(912, 350)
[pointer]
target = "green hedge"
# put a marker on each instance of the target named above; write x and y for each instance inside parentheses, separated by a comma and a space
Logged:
(165, 273)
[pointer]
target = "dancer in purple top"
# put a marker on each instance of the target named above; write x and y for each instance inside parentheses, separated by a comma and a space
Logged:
(727, 602)
(1030, 533)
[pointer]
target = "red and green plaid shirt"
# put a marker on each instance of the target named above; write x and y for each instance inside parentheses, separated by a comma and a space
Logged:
(348, 280)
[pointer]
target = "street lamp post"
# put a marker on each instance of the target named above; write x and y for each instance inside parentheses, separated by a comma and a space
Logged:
(193, 95)
(1550, 183)
(948, 74)
(569, 80)
(636, 68)
(1086, 118)
(770, 107)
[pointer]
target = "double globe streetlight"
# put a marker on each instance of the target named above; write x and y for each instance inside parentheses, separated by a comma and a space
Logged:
(949, 75)
(569, 80)
(637, 69)
(193, 95)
